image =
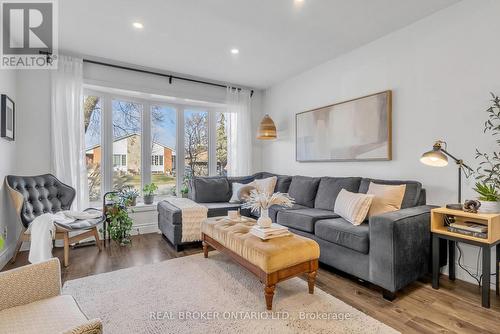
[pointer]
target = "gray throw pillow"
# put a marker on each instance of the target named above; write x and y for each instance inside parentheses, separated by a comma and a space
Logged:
(211, 189)
(303, 190)
(283, 184)
(330, 187)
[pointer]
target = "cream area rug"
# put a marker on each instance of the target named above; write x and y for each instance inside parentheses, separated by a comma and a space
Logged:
(215, 295)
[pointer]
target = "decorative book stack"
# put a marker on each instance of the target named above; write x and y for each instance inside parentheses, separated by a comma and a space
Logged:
(469, 228)
(275, 231)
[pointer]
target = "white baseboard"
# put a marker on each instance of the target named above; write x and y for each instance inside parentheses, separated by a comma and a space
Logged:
(145, 229)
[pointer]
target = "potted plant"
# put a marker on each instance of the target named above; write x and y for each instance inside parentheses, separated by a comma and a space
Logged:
(149, 193)
(120, 224)
(489, 198)
(129, 195)
(488, 172)
(184, 190)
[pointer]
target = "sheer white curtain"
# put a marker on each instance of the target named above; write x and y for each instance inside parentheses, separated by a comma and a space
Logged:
(239, 131)
(67, 132)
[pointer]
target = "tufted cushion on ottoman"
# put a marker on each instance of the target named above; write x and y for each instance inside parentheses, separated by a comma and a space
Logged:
(271, 255)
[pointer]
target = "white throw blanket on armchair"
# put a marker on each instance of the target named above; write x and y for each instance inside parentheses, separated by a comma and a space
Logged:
(193, 214)
(42, 231)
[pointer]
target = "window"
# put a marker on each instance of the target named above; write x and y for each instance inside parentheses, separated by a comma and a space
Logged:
(196, 143)
(157, 160)
(93, 123)
(133, 138)
(119, 160)
(221, 143)
(164, 138)
(126, 120)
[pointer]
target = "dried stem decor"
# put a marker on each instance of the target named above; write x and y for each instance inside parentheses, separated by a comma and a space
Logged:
(262, 200)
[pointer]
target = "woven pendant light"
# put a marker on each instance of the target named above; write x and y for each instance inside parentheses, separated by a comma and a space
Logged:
(267, 129)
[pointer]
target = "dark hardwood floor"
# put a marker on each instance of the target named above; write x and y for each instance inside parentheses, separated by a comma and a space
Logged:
(454, 308)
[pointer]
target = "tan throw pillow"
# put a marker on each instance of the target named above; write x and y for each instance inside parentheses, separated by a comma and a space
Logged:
(387, 198)
(265, 185)
(244, 192)
(353, 207)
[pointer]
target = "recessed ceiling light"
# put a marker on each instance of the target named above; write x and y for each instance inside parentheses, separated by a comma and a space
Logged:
(138, 25)
(235, 51)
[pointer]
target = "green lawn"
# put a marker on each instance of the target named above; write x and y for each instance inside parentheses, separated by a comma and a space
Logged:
(164, 182)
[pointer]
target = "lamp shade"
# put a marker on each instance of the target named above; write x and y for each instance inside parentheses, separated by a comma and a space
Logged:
(434, 158)
(267, 129)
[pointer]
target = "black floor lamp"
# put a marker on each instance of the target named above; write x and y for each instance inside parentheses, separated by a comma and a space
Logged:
(438, 157)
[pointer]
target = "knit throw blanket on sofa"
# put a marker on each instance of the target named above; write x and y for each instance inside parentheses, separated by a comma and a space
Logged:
(193, 214)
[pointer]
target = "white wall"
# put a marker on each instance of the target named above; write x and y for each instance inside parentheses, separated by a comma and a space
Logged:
(33, 142)
(440, 69)
(8, 166)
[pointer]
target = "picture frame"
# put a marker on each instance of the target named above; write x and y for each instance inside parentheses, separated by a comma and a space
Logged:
(359, 129)
(7, 118)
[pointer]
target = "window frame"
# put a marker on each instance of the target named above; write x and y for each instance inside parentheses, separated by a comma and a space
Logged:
(146, 136)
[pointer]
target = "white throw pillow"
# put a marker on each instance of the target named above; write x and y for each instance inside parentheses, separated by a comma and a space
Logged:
(353, 207)
(265, 185)
(236, 189)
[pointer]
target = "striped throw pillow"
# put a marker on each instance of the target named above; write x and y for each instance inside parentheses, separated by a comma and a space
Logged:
(353, 207)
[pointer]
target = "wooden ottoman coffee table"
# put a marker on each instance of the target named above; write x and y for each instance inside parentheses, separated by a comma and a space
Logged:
(272, 261)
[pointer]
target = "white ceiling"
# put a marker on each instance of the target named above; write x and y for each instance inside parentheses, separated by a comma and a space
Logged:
(276, 38)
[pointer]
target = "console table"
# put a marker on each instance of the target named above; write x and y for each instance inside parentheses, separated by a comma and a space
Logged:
(440, 231)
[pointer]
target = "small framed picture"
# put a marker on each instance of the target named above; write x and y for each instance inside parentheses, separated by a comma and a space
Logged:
(7, 117)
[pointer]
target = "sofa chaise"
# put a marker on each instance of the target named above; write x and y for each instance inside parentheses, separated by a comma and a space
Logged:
(390, 250)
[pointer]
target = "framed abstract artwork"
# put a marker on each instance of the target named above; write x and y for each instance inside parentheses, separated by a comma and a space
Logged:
(354, 130)
(7, 118)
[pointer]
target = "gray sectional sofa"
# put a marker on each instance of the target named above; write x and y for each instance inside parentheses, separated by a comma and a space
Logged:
(390, 250)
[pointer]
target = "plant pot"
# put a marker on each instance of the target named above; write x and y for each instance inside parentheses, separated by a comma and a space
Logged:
(149, 199)
(264, 221)
(124, 242)
(132, 201)
(489, 207)
(184, 195)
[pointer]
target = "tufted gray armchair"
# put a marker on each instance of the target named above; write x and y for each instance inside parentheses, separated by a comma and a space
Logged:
(33, 196)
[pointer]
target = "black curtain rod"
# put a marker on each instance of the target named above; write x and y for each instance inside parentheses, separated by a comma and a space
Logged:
(169, 76)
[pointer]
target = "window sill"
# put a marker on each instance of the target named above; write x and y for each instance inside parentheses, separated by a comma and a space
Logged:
(141, 207)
